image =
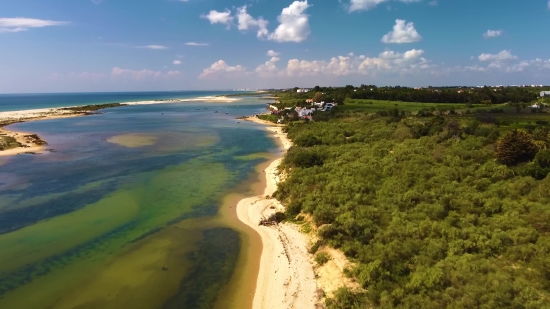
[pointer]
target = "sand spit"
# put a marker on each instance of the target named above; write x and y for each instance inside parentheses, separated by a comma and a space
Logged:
(31, 143)
(286, 277)
(208, 99)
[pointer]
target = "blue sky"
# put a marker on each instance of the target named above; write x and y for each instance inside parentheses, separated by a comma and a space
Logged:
(124, 45)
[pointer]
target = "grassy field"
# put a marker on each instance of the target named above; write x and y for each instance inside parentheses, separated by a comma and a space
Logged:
(377, 105)
(507, 117)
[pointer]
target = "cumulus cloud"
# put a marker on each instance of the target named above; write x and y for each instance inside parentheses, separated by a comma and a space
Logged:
(196, 44)
(22, 24)
(492, 33)
(269, 68)
(386, 62)
(294, 24)
(272, 53)
(220, 68)
(216, 17)
(503, 55)
(176, 62)
(363, 5)
(246, 22)
(403, 32)
(141, 74)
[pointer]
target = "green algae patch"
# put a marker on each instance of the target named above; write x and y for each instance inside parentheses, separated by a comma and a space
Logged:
(254, 156)
(133, 140)
(70, 245)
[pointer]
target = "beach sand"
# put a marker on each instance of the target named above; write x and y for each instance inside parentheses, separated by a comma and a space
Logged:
(31, 145)
(208, 99)
(286, 277)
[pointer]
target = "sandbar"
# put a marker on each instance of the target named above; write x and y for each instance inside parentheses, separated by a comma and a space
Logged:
(133, 140)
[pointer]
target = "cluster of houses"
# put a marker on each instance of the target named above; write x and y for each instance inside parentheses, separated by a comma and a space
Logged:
(303, 112)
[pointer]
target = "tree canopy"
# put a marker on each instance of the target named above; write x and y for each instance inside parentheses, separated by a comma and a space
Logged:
(435, 212)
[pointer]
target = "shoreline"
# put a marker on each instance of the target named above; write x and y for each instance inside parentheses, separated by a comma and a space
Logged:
(286, 276)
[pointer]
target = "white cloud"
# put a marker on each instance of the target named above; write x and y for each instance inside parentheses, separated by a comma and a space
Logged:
(272, 53)
(156, 47)
(176, 62)
(434, 2)
(216, 17)
(196, 44)
(294, 24)
(221, 69)
(269, 68)
(141, 74)
(246, 21)
(361, 5)
(508, 66)
(402, 33)
(492, 33)
(386, 62)
(549, 4)
(21, 24)
(503, 55)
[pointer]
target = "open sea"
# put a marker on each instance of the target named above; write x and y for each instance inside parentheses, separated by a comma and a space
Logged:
(14, 102)
(128, 210)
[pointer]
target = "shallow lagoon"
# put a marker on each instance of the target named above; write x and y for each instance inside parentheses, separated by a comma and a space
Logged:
(125, 213)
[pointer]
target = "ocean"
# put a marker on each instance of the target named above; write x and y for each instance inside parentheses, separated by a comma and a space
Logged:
(15, 102)
(126, 211)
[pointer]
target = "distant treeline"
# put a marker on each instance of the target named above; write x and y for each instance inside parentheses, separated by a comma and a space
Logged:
(433, 95)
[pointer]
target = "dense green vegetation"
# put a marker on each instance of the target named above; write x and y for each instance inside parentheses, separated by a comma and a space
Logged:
(485, 95)
(92, 108)
(437, 210)
(268, 117)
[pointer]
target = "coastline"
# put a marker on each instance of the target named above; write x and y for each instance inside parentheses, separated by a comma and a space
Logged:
(31, 143)
(35, 145)
(286, 276)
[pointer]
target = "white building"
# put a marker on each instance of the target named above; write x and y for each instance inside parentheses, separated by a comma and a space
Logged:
(303, 112)
(545, 93)
(303, 90)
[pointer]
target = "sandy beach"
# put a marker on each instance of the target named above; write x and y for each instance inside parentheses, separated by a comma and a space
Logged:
(31, 143)
(286, 277)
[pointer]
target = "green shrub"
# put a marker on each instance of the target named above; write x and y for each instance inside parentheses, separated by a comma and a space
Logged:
(346, 299)
(307, 140)
(319, 243)
(321, 258)
(302, 158)
(515, 147)
(543, 158)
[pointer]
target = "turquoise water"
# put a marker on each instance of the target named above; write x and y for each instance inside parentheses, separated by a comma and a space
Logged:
(13, 102)
(124, 213)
